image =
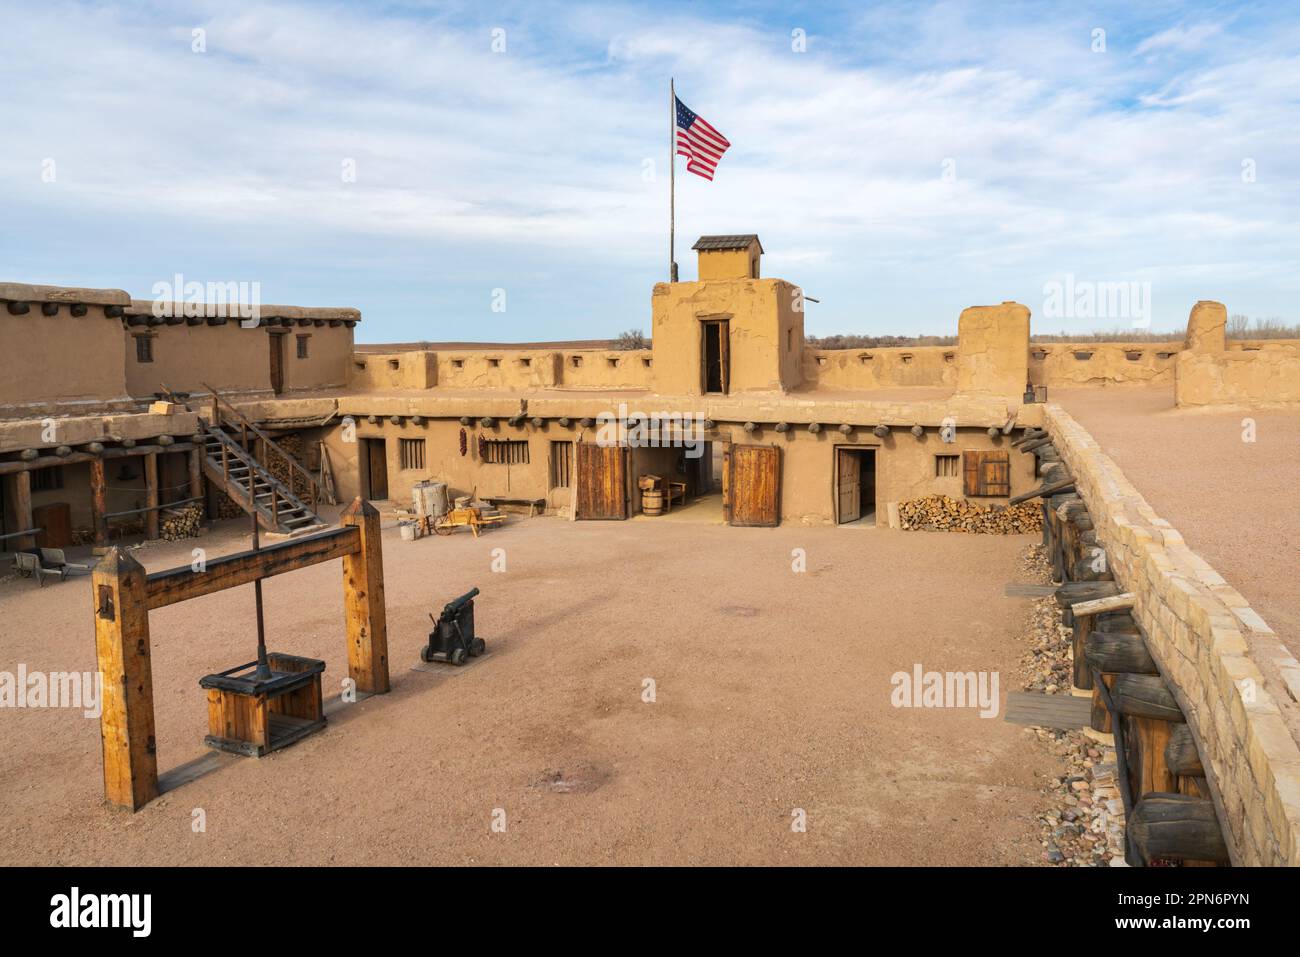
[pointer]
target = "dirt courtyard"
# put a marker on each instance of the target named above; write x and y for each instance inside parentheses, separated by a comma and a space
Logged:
(772, 693)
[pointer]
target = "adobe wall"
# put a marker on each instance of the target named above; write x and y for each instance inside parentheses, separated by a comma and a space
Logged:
(993, 350)
(1266, 375)
(61, 360)
(1235, 680)
(852, 369)
(905, 465)
(232, 358)
(766, 333)
(1078, 364)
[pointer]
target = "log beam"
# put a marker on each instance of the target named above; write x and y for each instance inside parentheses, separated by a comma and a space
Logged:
(1121, 602)
(151, 496)
(1176, 827)
(99, 502)
(23, 508)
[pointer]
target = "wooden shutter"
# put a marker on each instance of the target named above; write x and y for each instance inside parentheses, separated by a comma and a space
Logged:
(754, 486)
(986, 474)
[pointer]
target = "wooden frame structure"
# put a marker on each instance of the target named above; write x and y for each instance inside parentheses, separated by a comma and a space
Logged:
(124, 594)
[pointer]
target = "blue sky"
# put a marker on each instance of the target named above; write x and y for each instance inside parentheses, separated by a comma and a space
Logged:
(542, 169)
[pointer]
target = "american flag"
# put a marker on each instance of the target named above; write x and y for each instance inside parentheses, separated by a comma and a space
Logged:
(699, 142)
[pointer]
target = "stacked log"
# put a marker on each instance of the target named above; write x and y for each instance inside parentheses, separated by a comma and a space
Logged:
(1170, 814)
(941, 513)
(184, 522)
(277, 466)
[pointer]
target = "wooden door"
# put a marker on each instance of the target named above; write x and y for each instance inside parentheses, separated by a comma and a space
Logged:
(848, 484)
(753, 486)
(377, 468)
(986, 473)
(55, 522)
(602, 481)
(277, 362)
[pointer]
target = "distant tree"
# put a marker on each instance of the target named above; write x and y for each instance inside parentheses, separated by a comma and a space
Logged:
(632, 339)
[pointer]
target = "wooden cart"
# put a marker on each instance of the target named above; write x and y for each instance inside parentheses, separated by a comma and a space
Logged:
(477, 517)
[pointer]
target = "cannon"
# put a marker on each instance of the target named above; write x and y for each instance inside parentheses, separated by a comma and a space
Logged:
(453, 639)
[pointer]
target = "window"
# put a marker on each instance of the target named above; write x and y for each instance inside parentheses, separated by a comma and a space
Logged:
(525, 362)
(645, 361)
(789, 340)
(458, 363)
(945, 466)
(986, 474)
(613, 362)
(394, 364)
(494, 363)
(47, 480)
(144, 348)
(505, 451)
(302, 346)
(412, 453)
(575, 361)
(560, 464)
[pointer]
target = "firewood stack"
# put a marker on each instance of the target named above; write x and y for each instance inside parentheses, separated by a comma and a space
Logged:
(277, 466)
(185, 522)
(939, 513)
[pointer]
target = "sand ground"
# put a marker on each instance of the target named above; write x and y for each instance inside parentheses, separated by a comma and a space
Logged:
(1232, 500)
(772, 693)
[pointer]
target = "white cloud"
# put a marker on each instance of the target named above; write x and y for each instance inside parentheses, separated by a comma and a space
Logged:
(530, 161)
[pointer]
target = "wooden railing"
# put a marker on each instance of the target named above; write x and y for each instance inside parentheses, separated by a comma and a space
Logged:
(268, 445)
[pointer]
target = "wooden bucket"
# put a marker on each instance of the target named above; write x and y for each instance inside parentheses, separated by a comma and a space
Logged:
(652, 502)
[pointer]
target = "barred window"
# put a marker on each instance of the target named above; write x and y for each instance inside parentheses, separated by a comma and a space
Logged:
(946, 466)
(505, 452)
(412, 453)
(302, 346)
(144, 348)
(561, 457)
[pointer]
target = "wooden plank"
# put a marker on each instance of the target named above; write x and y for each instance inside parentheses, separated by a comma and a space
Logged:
(1061, 711)
(363, 601)
(181, 584)
(601, 481)
(126, 720)
(1014, 590)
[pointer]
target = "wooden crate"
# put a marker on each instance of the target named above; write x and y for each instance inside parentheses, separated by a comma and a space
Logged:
(252, 717)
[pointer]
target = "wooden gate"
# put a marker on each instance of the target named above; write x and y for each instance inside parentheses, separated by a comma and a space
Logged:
(602, 481)
(752, 485)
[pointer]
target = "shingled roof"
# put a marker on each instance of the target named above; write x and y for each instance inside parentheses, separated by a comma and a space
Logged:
(739, 241)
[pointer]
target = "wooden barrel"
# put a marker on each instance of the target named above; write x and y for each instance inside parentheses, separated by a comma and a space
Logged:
(652, 502)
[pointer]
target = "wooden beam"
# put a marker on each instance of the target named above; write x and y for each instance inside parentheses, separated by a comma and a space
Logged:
(1121, 602)
(126, 721)
(363, 600)
(151, 496)
(196, 473)
(1075, 593)
(1051, 488)
(128, 450)
(181, 584)
(99, 502)
(1036, 443)
(23, 507)
(1181, 754)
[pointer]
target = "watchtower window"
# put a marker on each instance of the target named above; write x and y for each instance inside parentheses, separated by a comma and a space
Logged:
(715, 356)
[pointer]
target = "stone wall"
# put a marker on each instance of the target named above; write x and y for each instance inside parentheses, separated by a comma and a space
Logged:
(1267, 375)
(1236, 682)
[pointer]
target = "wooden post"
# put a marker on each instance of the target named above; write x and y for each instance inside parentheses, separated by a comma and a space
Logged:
(126, 722)
(23, 508)
(99, 502)
(363, 601)
(196, 473)
(151, 495)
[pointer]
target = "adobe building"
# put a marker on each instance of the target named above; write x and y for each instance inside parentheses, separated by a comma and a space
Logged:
(737, 409)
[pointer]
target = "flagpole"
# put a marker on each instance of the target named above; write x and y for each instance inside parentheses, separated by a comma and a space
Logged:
(672, 180)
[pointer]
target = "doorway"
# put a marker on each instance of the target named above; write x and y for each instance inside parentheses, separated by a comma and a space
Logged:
(855, 486)
(715, 352)
(601, 482)
(277, 361)
(374, 469)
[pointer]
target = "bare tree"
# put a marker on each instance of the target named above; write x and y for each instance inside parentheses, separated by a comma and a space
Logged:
(632, 339)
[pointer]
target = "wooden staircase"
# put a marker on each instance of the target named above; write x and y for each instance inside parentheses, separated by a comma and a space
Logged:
(236, 458)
